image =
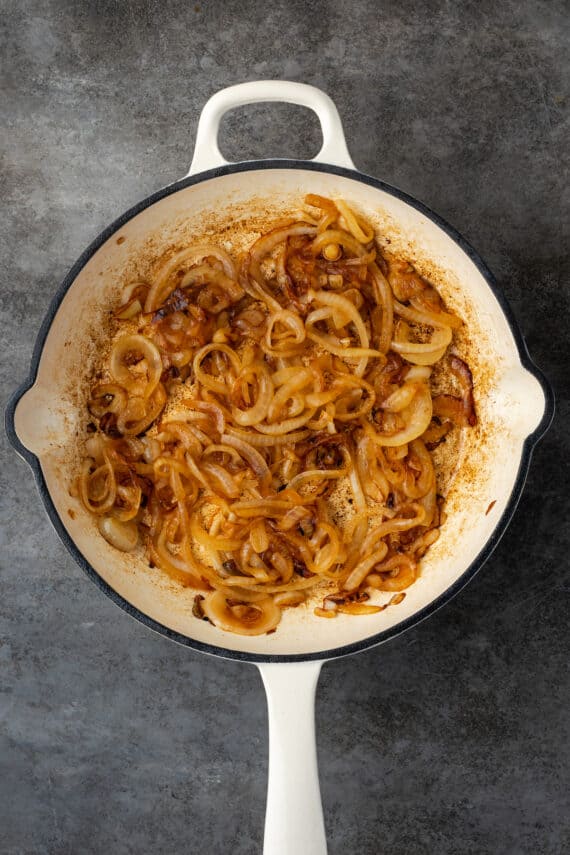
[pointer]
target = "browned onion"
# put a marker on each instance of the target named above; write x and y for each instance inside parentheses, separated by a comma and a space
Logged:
(255, 374)
(265, 434)
(186, 258)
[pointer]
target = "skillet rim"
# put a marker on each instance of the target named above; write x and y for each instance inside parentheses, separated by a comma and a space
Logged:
(371, 641)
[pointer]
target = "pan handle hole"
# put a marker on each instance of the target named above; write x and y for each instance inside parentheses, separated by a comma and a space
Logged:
(258, 131)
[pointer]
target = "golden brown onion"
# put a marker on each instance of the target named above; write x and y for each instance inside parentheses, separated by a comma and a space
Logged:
(266, 434)
(246, 618)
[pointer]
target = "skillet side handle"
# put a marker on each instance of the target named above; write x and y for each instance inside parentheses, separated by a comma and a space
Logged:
(294, 822)
(206, 152)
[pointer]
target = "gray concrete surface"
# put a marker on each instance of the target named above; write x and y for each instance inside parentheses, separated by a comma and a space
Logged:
(453, 739)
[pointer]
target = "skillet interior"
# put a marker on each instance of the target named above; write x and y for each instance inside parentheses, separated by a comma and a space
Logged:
(237, 203)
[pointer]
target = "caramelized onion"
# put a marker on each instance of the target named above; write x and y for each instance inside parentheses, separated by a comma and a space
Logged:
(385, 581)
(345, 308)
(361, 571)
(208, 380)
(257, 376)
(420, 316)
(184, 259)
(131, 350)
(245, 618)
(252, 276)
(461, 411)
(384, 301)
(286, 342)
(134, 419)
(122, 535)
(358, 228)
(342, 238)
(268, 432)
(286, 438)
(423, 353)
(98, 489)
(107, 398)
(416, 417)
(251, 455)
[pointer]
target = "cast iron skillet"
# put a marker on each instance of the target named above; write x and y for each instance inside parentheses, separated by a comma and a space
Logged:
(514, 400)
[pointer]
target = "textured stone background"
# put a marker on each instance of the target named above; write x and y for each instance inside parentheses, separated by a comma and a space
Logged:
(451, 739)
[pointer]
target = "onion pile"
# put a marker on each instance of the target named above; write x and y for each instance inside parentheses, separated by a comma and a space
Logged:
(263, 426)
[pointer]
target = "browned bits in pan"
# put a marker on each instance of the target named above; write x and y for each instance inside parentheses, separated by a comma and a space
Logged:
(264, 423)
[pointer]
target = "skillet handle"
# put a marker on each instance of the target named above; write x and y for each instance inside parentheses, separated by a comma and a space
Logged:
(294, 818)
(207, 154)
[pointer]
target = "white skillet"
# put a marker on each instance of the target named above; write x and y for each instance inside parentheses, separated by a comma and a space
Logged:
(514, 403)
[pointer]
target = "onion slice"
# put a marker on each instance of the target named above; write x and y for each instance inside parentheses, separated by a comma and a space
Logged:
(122, 535)
(416, 416)
(184, 259)
(246, 618)
(129, 351)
